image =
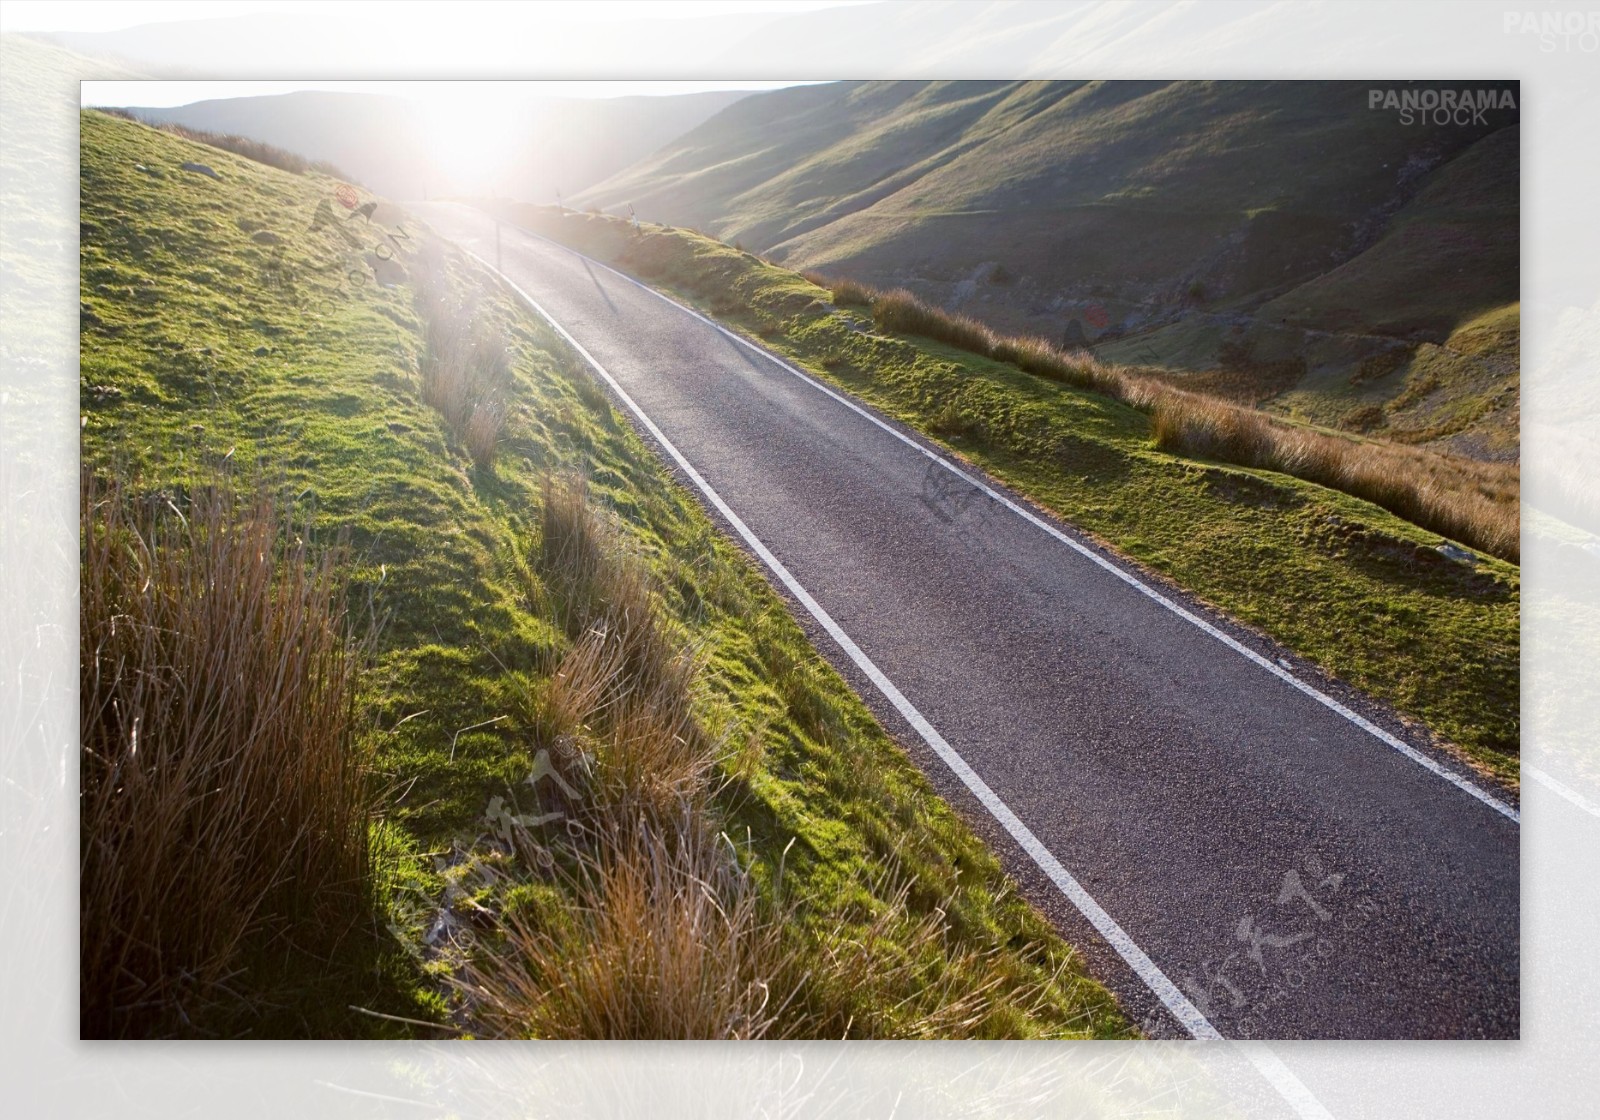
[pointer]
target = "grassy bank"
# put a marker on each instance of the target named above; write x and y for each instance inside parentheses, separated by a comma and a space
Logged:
(608, 788)
(1346, 583)
(1469, 501)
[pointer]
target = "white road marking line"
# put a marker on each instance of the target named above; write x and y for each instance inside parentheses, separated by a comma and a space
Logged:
(1164, 989)
(1282, 1078)
(1561, 790)
(1465, 785)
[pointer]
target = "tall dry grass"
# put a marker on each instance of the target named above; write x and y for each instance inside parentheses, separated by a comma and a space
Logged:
(1470, 501)
(223, 782)
(665, 939)
(1464, 499)
(466, 364)
(481, 431)
(667, 935)
(844, 291)
(627, 680)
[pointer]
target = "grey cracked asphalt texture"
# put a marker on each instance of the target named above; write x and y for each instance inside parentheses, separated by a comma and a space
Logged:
(1293, 875)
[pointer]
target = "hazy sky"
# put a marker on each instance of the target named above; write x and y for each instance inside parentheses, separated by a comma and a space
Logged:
(643, 38)
(90, 15)
(158, 94)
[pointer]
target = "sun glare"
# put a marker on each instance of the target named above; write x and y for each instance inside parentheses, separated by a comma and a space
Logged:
(473, 133)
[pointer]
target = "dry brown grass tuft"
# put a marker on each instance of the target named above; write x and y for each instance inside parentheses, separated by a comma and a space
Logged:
(483, 428)
(1211, 428)
(843, 291)
(667, 935)
(642, 750)
(901, 311)
(582, 687)
(664, 939)
(466, 365)
(633, 679)
(223, 787)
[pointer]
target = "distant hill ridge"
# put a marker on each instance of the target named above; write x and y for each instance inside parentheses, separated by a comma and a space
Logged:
(384, 141)
(1310, 246)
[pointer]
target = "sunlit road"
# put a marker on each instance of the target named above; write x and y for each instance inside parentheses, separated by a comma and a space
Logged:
(1185, 816)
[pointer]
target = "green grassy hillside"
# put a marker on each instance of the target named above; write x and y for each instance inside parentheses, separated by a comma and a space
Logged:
(588, 716)
(1282, 232)
(1349, 586)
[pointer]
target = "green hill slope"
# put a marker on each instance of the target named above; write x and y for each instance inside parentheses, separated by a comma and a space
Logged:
(1163, 221)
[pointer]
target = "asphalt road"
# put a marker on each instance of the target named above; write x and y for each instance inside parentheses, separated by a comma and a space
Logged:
(1230, 853)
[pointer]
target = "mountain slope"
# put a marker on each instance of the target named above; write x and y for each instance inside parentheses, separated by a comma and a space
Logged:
(1104, 212)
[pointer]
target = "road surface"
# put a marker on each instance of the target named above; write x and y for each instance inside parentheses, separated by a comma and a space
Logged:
(1235, 855)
